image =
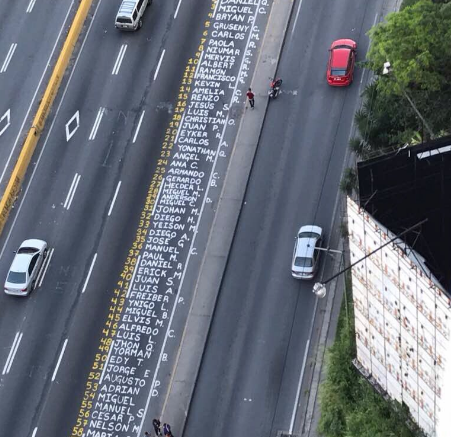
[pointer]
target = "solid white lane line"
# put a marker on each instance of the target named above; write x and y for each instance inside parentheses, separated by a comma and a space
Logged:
(96, 124)
(59, 360)
(73, 192)
(298, 392)
(198, 64)
(181, 123)
(119, 59)
(139, 126)
(7, 60)
(114, 198)
(89, 273)
(159, 64)
(216, 7)
(177, 9)
(70, 190)
(375, 18)
(106, 362)
(11, 353)
(46, 266)
(34, 432)
(19, 134)
(296, 19)
(29, 9)
(133, 276)
(158, 196)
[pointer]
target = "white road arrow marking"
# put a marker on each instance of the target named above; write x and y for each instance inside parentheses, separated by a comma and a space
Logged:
(70, 133)
(6, 115)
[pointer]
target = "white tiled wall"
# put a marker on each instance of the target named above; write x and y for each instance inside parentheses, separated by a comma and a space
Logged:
(402, 321)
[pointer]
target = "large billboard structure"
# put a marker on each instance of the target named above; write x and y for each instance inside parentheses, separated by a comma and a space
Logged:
(401, 292)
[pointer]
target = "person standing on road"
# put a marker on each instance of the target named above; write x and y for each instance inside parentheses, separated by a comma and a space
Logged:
(167, 430)
(250, 96)
(157, 427)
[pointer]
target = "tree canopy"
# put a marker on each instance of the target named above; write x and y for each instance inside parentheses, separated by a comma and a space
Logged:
(416, 42)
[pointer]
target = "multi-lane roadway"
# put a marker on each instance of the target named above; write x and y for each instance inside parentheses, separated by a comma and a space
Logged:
(143, 125)
(256, 348)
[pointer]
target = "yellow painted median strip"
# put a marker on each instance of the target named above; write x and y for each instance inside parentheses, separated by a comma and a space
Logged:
(18, 174)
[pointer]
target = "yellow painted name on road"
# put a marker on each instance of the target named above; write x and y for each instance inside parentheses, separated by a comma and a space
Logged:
(123, 284)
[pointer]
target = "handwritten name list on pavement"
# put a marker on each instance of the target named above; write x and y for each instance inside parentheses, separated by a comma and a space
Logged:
(212, 82)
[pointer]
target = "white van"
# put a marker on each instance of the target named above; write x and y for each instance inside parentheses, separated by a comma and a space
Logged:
(129, 16)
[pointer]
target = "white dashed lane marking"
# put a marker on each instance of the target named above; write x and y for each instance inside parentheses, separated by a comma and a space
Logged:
(12, 353)
(59, 359)
(119, 59)
(96, 124)
(7, 60)
(71, 193)
(159, 65)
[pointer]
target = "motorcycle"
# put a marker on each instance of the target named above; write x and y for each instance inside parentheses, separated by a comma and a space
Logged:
(274, 88)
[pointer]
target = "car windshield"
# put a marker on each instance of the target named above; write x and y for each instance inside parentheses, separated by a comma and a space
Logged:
(27, 250)
(338, 72)
(303, 262)
(309, 234)
(17, 277)
(124, 20)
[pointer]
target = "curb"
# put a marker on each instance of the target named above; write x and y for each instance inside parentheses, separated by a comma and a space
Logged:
(18, 174)
(222, 232)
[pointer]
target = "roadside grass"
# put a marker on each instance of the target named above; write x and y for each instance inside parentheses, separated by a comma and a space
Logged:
(350, 406)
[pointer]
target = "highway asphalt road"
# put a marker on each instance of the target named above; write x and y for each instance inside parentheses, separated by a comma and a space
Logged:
(104, 166)
(256, 346)
(30, 35)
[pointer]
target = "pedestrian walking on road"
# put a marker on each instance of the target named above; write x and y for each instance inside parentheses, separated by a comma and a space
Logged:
(167, 430)
(147, 434)
(250, 96)
(157, 427)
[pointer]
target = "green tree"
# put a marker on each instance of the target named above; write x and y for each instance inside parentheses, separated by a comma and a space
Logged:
(416, 43)
(385, 122)
(348, 182)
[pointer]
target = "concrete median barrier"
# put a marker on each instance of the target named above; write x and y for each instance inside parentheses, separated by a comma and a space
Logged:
(14, 185)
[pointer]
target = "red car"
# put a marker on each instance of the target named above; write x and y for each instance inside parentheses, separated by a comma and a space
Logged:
(340, 68)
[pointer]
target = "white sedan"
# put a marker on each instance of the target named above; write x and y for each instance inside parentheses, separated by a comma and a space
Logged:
(25, 268)
(306, 252)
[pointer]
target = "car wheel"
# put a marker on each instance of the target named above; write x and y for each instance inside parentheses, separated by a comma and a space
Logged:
(33, 286)
(45, 253)
(140, 24)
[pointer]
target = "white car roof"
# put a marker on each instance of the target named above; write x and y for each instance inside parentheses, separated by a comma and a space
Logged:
(35, 243)
(311, 228)
(21, 262)
(306, 246)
